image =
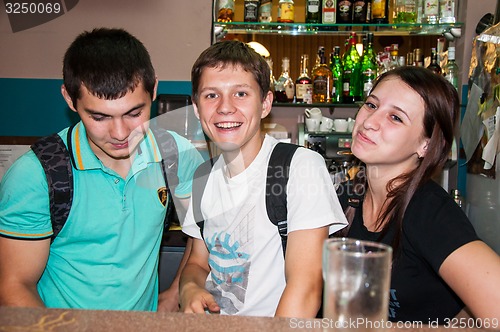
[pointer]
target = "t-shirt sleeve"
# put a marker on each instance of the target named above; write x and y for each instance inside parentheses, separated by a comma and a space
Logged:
(436, 226)
(189, 159)
(311, 198)
(24, 200)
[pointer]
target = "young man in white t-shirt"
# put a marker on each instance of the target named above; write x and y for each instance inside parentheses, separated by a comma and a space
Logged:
(238, 267)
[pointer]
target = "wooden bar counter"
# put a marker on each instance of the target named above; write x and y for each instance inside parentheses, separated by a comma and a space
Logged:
(38, 319)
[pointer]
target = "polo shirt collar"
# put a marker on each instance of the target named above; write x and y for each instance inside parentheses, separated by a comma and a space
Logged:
(84, 157)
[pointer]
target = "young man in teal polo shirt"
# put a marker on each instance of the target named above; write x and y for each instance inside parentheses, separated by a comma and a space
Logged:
(106, 255)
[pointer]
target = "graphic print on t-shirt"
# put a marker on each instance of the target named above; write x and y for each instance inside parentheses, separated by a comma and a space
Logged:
(229, 261)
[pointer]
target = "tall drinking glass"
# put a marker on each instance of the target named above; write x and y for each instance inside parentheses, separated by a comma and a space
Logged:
(357, 279)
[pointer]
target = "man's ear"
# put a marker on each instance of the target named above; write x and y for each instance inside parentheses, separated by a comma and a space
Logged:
(67, 98)
(267, 104)
(195, 108)
(155, 91)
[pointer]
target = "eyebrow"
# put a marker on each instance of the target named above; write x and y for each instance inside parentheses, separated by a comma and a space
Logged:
(394, 106)
(94, 112)
(237, 86)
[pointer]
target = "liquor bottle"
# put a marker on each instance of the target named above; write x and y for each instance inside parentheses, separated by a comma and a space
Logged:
(344, 11)
(328, 9)
(265, 11)
(336, 68)
(285, 88)
(405, 11)
(304, 82)
(322, 79)
(368, 66)
(451, 68)
(379, 11)
(447, 11)
(225, 10)
(286, 11)
(359, 10)
(251, 11)
(272, 79)
(394, 56)
(418, 57)
(431, 11)
(434, 65)
(351, 68)
(313, 11)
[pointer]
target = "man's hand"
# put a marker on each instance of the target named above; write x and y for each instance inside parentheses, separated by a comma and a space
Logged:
(168, 300)
(195, 299)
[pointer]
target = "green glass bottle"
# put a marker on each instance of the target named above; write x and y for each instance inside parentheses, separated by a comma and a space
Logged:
(336, 67)
(369, 66)
(313, 11)
(351, 68)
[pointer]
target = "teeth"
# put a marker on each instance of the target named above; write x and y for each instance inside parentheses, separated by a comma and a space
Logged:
(227, 125)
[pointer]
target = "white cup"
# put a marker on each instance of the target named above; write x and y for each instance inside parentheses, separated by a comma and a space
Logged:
(312, 124)
(340, 125)
(326, 124)
(313, 113)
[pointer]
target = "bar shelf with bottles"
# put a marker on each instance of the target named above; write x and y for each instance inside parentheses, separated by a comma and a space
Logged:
(295, 29)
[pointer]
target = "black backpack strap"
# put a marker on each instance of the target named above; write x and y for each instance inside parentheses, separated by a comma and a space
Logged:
(170, 165)
(278, 172)
(199, 183)
(56, 162)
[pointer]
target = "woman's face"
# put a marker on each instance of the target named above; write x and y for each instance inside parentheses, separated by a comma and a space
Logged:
(388, 131)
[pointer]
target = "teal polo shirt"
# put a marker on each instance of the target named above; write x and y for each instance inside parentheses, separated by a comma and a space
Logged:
(106, 255)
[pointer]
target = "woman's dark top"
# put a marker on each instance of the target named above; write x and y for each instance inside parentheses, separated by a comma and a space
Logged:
(433, 227)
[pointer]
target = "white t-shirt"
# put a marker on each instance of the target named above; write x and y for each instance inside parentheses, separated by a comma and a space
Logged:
(245, 253)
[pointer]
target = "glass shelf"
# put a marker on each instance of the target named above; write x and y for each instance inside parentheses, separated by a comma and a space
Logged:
(319, 105)
(222, 28)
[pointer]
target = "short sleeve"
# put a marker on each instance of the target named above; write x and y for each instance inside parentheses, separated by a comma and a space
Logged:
(311, 198)
(24, 200)
(436, 226)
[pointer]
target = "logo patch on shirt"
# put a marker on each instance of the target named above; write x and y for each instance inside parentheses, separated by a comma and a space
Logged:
(162, 195)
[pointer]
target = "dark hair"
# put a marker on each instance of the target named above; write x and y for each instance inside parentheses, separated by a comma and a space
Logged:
(109, 63)
(233, 53)
(440, 119)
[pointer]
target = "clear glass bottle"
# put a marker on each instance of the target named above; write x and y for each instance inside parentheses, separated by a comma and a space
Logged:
(286, 92)
(303, 82)
(447, 11)
(451, 68)
(434, 65)
(405, 11)
(351, 68)
(379, 11)
(322, 79)
(272, 79)
(418, 57)
(313, 11)
(225, 10)
(336, 68)
(431, 11)
(286, 11)
(265, 11)
(369, 66)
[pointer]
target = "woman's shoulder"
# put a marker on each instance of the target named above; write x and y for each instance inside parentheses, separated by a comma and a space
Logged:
(431, 192)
